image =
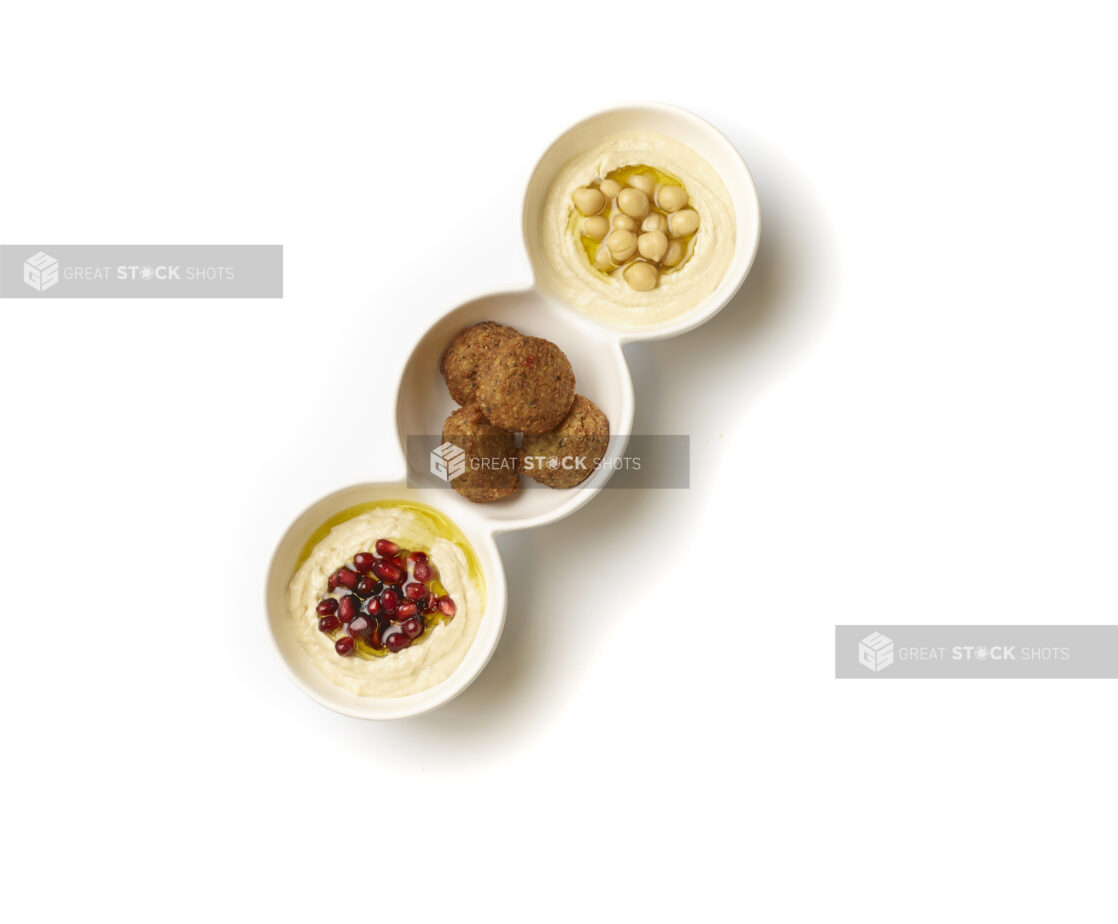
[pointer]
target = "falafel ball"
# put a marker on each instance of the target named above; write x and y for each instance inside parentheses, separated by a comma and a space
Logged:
(526, 384)
(491, 463)
(466, 353)
(567, 455)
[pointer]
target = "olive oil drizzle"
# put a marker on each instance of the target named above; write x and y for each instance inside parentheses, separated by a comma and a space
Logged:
(438, 524)
(621, 175)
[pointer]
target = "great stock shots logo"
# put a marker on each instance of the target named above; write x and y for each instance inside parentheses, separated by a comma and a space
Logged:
(40, 271)
(448, 461)
(488, 460)
(45, 270)
(875, 651)
(993, 652)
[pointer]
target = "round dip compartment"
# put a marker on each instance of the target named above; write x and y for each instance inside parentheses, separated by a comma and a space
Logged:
(424, 403)
(643, 218)
(400, 674)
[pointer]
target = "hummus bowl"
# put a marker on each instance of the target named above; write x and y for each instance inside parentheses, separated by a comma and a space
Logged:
(676, 147)
(481, 612)
(721, 187)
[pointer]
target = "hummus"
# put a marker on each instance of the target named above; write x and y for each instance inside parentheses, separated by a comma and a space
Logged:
(425, 663)
(606, 295)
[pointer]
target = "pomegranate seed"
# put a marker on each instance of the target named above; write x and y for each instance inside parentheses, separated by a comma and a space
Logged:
(388, 572)
(447, 607)
(414, 557)
(422, 572)
(374, 639)
(406, 610)
(332, 582)
(361, 627)
(345, 645)
(395, 639)
(327, 606)
(430, 604)
(415, 591)
(364, 561)
(386, 549)
(372, 607)
(347, 607)
(346, 578)
(412, 627)
(398, 562)
(367, 586)
(329, 623)
(388, 601)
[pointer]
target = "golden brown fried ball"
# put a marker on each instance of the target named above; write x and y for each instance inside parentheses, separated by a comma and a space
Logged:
(491, 463)
(567, 455)
(469, 351)
(526, 384)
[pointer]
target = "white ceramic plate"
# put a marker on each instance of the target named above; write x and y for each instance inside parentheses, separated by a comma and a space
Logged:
(601, 373)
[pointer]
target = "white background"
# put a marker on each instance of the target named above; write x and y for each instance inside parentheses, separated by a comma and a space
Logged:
(908, 415)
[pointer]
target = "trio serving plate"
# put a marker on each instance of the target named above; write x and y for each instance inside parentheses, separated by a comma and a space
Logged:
(422, 404)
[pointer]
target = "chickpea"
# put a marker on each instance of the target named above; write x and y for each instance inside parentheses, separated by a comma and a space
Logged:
(602, 259)
(609, 188)
(622, 244)
(671, 198)
(643, 182)
(641, 276)
(652, 245)
(656, 221)
(624, 221)
(633, 203)
(588, 201)
(680, 224)
(596, 227)
(674, 254)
